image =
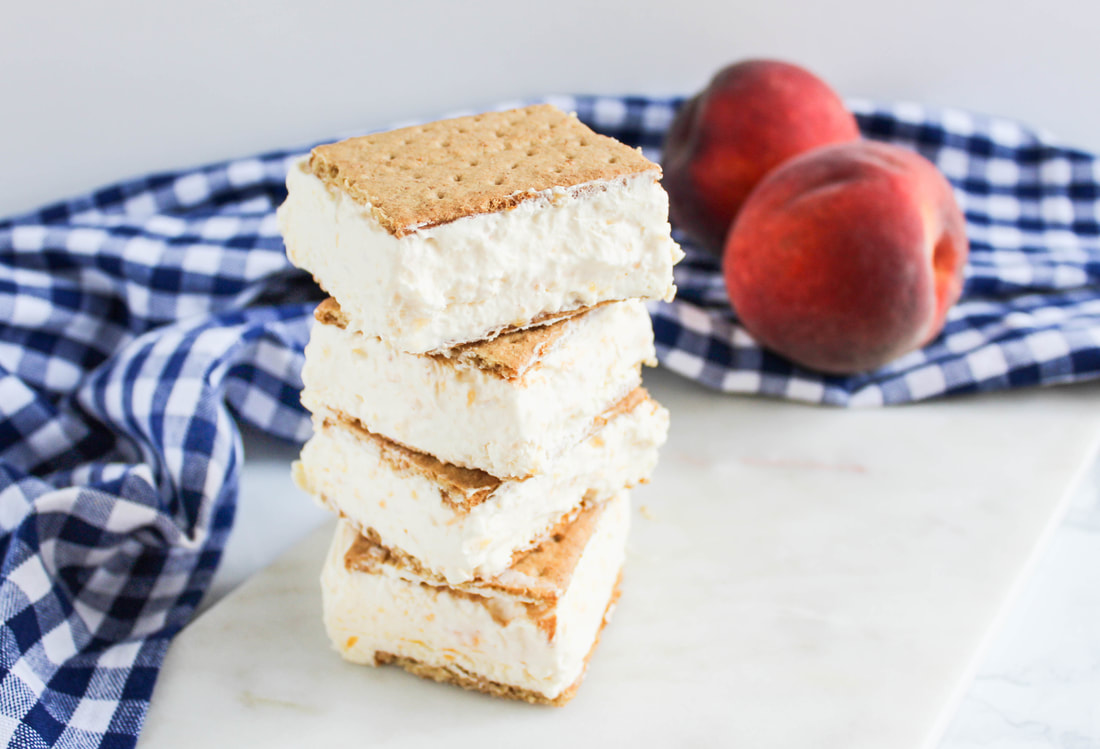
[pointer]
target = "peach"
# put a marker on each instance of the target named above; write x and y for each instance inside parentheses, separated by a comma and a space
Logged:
(752, 117)
(847, 257)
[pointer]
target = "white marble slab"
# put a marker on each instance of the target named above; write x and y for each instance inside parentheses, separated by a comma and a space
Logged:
(798, 577)
(1038, 685)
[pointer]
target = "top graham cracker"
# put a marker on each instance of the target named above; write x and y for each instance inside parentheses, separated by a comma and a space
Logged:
(427, 175)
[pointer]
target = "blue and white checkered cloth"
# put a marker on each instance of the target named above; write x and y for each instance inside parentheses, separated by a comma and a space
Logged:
(138, 321)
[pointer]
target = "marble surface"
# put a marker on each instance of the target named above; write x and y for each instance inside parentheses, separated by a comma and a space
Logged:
(797, 577)
(1038, 685)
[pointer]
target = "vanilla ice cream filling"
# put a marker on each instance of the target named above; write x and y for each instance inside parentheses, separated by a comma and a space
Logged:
(495, 638)
(474, 418)
(467, 279)
(347, 471)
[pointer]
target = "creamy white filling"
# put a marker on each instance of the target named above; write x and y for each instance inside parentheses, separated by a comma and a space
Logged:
(408, 512)
(465, 280)
(383, 611)
(472, 418)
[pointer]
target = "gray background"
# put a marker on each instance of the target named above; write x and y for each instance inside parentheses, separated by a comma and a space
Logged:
(95, 92)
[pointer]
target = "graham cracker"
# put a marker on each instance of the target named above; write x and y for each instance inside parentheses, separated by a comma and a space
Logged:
(628, 403)
(539, 575)
(514, 352)
(454, 674)
(543, 574)
(461, 488)
(510, 354)
(367, 553)
(427, 175)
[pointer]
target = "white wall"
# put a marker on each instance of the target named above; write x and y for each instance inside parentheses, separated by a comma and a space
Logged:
(96, 91)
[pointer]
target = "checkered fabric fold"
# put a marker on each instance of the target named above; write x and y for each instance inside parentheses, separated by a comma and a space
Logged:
(138, 321)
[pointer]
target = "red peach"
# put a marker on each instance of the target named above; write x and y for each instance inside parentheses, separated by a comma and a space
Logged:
(752, 117)
(847, 257)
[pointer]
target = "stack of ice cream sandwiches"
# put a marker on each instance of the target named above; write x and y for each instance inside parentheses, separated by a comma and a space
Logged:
(475, 385)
